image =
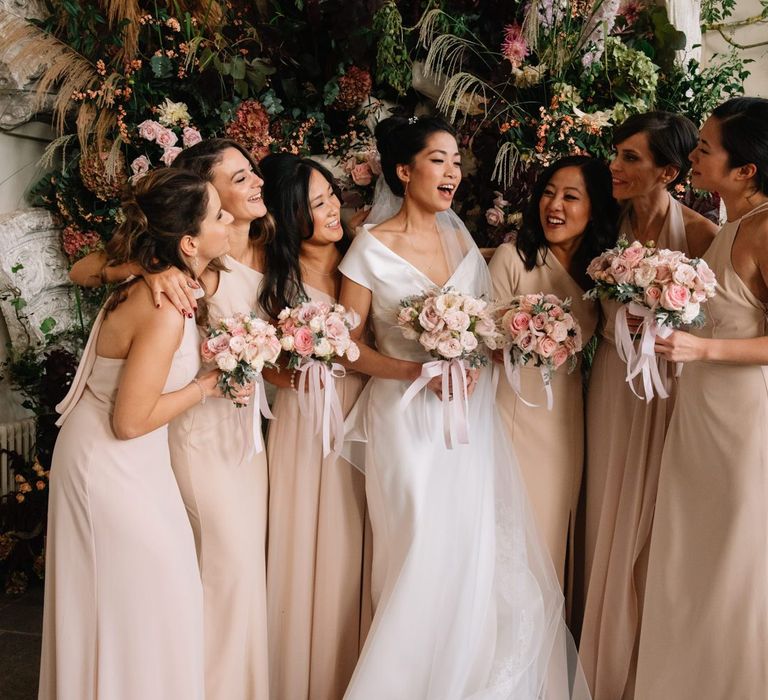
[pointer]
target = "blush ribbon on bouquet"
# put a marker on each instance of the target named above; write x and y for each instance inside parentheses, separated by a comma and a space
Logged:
(319, 401)
(252, 418)
(646, 363)
(512, 371)
(455, 410)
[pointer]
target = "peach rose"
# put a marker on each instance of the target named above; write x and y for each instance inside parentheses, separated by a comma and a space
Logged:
(362, 174)
(674, 297)
(652, 297)
(560, 356)
(547, 346)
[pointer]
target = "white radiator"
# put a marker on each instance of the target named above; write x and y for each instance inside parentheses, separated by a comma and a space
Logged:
(18, 436)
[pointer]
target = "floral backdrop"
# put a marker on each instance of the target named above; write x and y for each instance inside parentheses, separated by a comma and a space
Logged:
(136, 82)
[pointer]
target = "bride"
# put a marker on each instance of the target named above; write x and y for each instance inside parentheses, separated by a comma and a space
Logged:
(467, 603)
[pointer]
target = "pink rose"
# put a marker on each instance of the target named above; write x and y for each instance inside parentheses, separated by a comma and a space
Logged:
(429, 341)
(307, 312)
(705, 273)
(303, 341)
(149, 129)
(374, 162)
(674, 297)
(190, 136)
(494, 216)
(559, 331)
(525, 341)
(407, 315)
(547, 346)
(634, 254)
(165, 137)
(449, 347)
(684, 274)
(621, 271)
(215, 345)
(140, 166)
(169, 155)
(520, 321)
(560, 356)
(353, 352)
(539, 321)
(456, 320)
(652, 297)
(361, 174)
(430, 319)
(485, 327)
(663, 273)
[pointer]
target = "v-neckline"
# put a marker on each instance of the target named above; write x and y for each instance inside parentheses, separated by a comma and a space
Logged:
(416, 269)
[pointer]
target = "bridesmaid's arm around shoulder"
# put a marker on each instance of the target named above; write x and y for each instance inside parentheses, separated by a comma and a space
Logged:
(152, 337)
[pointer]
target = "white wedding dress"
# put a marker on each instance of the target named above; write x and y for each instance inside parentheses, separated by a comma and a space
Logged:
(467, 603)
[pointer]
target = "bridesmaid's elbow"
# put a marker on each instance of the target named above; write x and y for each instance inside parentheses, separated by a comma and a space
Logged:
(125, 428)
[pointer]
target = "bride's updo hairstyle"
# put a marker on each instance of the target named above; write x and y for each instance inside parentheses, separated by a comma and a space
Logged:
(671, 137)
(158, 211)
(743, 125)
(399, 139)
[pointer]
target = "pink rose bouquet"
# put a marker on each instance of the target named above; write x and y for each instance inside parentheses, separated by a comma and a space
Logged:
(315, 333)
(240, 346)
(663, 287)
(456, 329)
(539, 331)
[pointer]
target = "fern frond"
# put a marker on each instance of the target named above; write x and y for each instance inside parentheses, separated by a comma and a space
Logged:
(507, 158)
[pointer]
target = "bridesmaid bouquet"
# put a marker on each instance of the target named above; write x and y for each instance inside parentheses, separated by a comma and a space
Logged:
(316, 333)
(665, 288)
(454, 328)
(241, 346)
(539, 330)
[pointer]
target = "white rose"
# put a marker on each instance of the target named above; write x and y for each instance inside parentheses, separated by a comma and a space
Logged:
(226, 361)
(316, 323)
(323, 347)
(237, 344)
(690, 312)
(286, 342)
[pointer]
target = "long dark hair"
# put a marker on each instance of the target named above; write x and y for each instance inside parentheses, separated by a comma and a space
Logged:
(158, 211)
(602, 229)
(671, 137)
(203, 157)
(286, 194)
(744, 134)
(399, 139)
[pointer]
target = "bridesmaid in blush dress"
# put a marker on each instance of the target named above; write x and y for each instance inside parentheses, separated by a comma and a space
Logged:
(625, 434)
(318, 594)
(705, 620)
(571, 218)
(223, 486)
(123, 602)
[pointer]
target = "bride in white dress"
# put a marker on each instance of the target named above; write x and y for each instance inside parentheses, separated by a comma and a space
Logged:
(467, 603)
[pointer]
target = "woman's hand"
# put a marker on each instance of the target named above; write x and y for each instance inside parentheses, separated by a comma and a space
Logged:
(681, 347)
(209, 382)
(242, 393)
(177, 286)
(436, 384)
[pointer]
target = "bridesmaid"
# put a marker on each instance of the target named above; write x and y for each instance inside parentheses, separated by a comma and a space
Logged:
(318, 595)
(625, 434)
(224, 489)
(123, 602)
(705, 622)
(572, 217)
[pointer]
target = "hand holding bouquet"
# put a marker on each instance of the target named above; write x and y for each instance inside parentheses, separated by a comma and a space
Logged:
(663, 287)
(455, 329)
(539, 330)
(241, 346)
(315, 334)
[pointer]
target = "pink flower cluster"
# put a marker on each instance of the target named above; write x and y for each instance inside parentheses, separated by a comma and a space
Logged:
(450, 325)
(77, 243)
(672, 285)
(514, 47)
(167, 139)
(317, 330)
(540, 330)
(241, 346)
(362, 166)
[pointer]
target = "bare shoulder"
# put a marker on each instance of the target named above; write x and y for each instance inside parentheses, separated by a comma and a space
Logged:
(139, 308)
(699, 231)
(385, 232)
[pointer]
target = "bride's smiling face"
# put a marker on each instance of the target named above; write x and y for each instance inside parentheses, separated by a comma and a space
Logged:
(434, 174)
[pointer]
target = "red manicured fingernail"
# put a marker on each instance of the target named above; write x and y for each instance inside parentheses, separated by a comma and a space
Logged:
(157, 306)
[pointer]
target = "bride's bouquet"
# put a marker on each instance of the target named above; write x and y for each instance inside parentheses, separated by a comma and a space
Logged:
(665, 288)
(540, 331)
(455, 329)
(315, 334)
(241, 346)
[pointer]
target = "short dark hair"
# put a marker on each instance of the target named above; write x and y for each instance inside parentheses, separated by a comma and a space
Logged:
(286, 194)
(744, 134)
(671, 137)
(399, 139)
(602, 229)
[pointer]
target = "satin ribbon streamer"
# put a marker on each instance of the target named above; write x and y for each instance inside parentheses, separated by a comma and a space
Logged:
(513, 377)
(252, 426)
(320, 403)
(455, 410)
(651, 368)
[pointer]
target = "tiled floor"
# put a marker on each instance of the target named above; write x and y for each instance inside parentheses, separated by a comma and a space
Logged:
(20, 624)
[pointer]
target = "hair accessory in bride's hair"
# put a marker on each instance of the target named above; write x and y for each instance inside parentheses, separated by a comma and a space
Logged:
(412, 120)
